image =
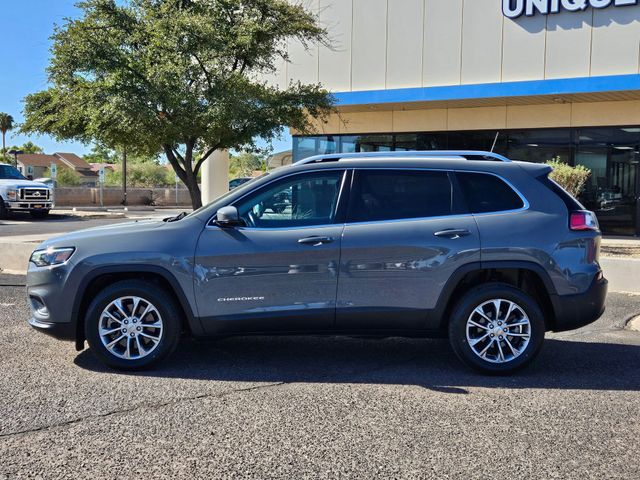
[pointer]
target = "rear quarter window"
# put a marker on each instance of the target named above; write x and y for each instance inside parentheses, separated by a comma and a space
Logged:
(570, 202)
(485, 193)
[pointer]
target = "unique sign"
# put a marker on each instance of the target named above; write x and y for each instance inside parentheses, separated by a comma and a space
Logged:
(101, 174)
(54, 171)
(517, 8)
(29, 169)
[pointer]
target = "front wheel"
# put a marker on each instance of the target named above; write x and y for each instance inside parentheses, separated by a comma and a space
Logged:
(496, 329)
(132, 325)
(3, 210)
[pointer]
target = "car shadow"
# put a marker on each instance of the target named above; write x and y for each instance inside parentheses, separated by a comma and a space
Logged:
(393, 361)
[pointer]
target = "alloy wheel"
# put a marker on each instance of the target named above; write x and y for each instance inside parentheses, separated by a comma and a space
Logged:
(130, 327)
(498, 331)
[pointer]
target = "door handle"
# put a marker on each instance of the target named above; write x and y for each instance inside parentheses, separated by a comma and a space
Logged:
(315, 241)
(453, 233)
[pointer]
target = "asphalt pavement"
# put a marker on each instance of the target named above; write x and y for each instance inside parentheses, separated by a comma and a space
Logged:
(315, 407)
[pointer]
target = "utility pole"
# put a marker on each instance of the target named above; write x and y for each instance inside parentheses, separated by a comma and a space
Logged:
(124, 176)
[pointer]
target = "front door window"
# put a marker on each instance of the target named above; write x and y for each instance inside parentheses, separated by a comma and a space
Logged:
(301, 201)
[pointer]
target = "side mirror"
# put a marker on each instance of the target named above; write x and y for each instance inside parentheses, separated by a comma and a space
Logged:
(228, 217)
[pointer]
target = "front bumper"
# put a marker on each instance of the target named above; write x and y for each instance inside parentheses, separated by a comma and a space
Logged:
(61, 331)
(29, 205)
(575, 311)
(50, 300)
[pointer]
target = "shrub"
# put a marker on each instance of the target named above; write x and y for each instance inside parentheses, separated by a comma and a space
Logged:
(65, 177)
(146, 175)
(572, 179)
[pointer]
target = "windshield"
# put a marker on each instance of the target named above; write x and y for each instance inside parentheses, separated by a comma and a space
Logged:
(7, 172)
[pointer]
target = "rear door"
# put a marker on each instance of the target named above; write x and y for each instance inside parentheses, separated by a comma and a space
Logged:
(406, 233)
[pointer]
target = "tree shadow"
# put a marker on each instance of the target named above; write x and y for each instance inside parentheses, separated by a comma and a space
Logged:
(430, 364)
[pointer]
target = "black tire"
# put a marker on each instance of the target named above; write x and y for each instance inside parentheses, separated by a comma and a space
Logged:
(462, 313)
(39, 213)
(150, 292)
(3, 210)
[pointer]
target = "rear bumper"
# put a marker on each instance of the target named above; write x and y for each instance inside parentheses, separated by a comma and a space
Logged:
(575, 311)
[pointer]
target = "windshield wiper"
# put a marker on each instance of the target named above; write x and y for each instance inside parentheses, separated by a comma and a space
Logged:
(176, 218)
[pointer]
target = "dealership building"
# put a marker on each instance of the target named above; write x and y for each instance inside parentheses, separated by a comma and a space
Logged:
(534, 80)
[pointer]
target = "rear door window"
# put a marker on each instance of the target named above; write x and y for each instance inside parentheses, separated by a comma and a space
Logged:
(380, 195)
(485, 193)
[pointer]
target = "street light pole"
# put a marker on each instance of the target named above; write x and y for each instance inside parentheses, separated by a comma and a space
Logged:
(15, 154)
(124, 176)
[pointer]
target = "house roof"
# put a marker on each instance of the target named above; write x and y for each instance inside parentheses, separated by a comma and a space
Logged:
(97, 166)
(74, 160)
(69, 160)
(38, 159)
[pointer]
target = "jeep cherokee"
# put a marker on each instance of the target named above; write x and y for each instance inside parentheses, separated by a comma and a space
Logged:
(488, 251)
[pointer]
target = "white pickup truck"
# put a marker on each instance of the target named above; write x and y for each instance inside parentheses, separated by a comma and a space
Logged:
(17, 194)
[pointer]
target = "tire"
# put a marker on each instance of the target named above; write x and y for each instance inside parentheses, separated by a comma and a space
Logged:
(3, 210)
(507, 352)
(147, 343)
(39, 213)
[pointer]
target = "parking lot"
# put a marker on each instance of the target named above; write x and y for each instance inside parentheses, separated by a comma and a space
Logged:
(320, 407)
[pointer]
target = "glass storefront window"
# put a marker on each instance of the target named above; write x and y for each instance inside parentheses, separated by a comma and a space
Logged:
(476, 140)
(539, 146)
(611, 153)
(303, 147)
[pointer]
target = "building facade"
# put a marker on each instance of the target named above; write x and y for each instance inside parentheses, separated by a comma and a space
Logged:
(535, 80)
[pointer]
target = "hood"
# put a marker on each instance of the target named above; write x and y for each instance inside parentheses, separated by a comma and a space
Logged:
(22, 183)
(135, 227)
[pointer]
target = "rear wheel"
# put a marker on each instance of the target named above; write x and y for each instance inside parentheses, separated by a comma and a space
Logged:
(132, 325)
(496, 329)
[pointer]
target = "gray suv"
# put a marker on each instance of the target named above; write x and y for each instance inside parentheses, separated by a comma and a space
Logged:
(487, 251)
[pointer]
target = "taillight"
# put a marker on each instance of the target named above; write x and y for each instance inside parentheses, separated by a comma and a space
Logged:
(583, 220)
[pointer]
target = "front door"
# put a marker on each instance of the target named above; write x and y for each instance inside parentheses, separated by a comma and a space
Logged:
(405, 236)
(279, 271)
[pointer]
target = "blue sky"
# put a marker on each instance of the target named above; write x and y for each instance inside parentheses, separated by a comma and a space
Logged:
(26, 27)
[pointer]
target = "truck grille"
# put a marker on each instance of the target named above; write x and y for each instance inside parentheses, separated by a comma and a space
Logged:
(34, 194)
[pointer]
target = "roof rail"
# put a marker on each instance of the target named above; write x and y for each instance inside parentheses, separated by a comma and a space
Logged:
(453, 154)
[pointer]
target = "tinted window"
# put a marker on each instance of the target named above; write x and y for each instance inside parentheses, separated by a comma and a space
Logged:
(303, 200)
(392, 195)
(488, 193)
(7, 172)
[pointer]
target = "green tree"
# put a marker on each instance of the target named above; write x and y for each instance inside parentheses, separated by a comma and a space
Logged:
(245, 163)
(6, 124)
(176, 77)
(101, 154)
(65, 177)
(28, 147)
(142, 174)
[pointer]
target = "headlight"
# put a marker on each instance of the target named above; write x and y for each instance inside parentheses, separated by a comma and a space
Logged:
(51, 256)
(12, 194)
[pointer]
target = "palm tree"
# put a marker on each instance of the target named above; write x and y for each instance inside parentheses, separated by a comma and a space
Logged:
(6, 124)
